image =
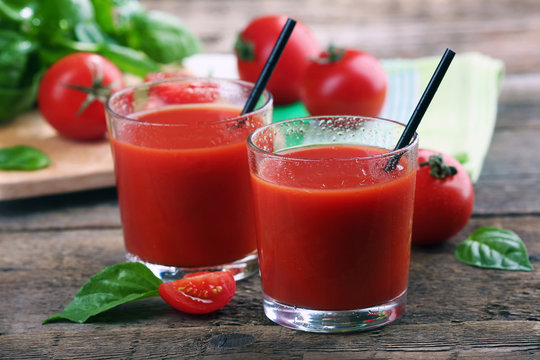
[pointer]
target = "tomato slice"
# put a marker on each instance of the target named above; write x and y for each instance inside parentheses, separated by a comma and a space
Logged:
(199, 293)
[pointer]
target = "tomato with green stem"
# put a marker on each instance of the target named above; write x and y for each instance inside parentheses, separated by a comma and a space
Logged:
(344, 82)
(444, 198)
(72, 93)
(254, 45)
(199, 293)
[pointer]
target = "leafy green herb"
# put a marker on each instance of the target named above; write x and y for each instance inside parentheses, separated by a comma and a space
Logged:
(153, 33)
(19, 72)
(22, 157)
(115, 285)
(15, 101)
(34, 34)
(114, 16)
(462, 158)
(494, 248)
(127, 59)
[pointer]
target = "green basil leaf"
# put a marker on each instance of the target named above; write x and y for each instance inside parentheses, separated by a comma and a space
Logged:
(14, 102)
(52, 54)
(113, 286)
(12, 11)
(463, 158)
(58, 18)
(128, 60)
(113, 16)
(14, 58)
(89, 32)
(494, 248)
(22, 157)
(162, 36)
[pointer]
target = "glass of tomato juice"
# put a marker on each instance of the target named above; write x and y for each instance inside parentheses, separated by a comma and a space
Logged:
(333, 208)
(182, 174)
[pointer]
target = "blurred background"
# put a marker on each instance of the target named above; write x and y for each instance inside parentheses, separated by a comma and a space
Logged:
(504, 29)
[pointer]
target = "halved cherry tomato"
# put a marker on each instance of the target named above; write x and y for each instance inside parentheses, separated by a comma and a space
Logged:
(199, 293)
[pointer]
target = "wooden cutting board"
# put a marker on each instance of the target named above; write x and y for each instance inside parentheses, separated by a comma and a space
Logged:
(74, 165)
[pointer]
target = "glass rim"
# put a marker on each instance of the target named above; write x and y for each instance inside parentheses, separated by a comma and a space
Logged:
(387, 154)
(148, 84)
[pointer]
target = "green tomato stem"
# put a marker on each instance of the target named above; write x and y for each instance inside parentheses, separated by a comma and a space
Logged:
(438, 168)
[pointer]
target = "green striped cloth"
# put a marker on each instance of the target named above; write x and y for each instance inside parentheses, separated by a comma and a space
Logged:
(461, 118)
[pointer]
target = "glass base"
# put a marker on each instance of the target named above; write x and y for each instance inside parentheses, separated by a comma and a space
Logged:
(330, 321)
(241, 269)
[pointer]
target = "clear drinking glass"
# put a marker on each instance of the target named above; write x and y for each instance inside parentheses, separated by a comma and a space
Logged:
(182, 174)
(333, 207)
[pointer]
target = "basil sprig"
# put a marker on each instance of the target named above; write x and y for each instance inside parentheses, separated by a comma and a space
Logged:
(115, 285)
(34, 34)
(494, 248)
(22, 157)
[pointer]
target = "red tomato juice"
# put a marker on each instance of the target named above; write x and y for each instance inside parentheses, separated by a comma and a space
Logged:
(333, 235)
(184, 190)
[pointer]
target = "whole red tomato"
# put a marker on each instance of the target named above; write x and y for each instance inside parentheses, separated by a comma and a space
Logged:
(254, 45)
(199, 293)
(72, 94)
(344, 82)
(444, 198)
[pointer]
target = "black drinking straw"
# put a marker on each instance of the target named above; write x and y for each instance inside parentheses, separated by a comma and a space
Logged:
(269, 66)
(422, 106)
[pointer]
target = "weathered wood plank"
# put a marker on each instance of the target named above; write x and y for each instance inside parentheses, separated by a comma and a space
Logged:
(510, 178)
(514, 152)
(88, 209)
(41, 271)
(494, 339)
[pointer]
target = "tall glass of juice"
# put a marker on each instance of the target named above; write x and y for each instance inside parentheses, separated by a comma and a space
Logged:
(182, 174)
(333, 205)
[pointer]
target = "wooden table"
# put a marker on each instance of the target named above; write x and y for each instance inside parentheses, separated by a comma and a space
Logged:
(50, 246)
